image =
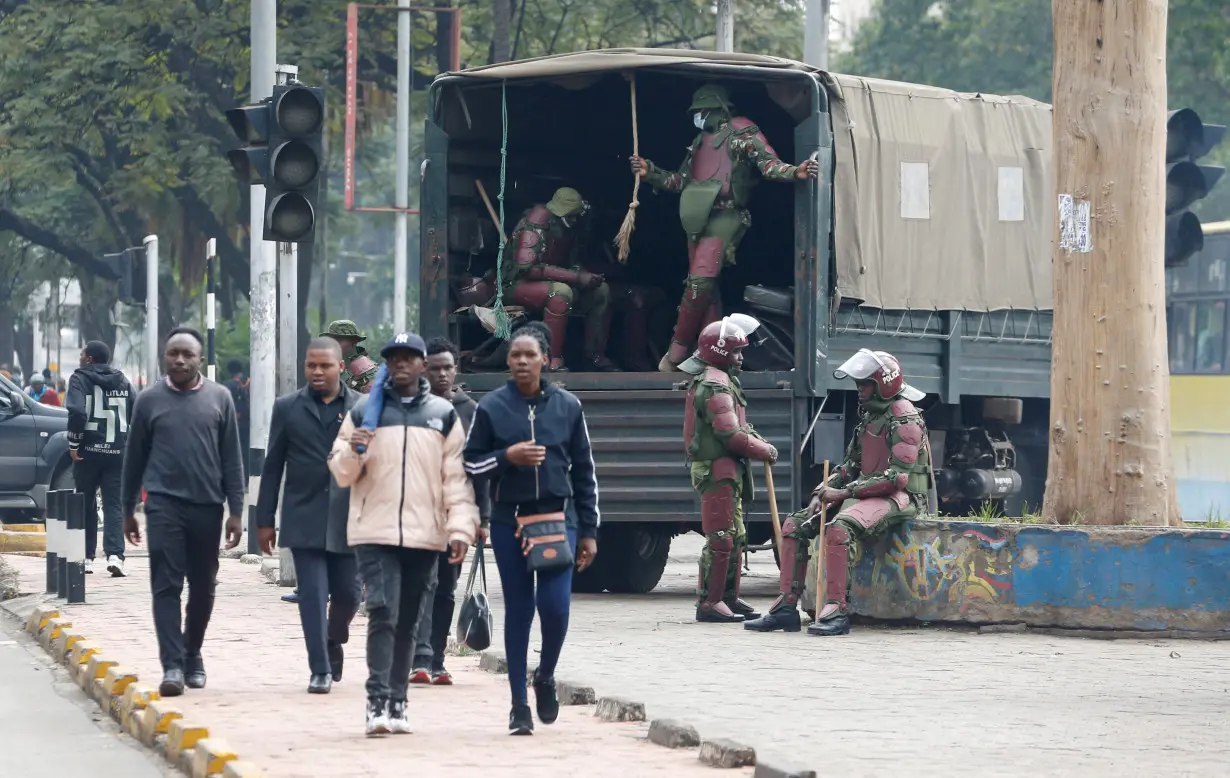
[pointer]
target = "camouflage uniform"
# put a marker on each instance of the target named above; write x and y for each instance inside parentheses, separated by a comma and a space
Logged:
(541, 272)
(359, 368)
(720, 444)
(882, 481)
(714, 183)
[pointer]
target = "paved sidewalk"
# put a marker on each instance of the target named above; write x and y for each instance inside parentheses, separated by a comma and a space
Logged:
(894, 701)
(256, 699)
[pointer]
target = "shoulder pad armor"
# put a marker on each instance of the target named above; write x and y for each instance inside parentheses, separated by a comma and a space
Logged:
(902, 407)
(743, 125)
(716, 376)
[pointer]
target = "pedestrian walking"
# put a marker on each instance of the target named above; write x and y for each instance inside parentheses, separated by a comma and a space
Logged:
(304, 425)
(410, 499)
(40, 392)
(529, 438)
(100, 399)
(183, 449)
(439, 601)
(239, 386)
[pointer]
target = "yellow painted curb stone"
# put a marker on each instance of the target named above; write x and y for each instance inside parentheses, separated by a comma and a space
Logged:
(117, 679)
(64, 644)
(40, 528)
(51, 630)
(39, 618)
(95, 669)
(181, 736)
(211, 756)
(241, 769)
(136, 697)
(23, 542)
(156, 720)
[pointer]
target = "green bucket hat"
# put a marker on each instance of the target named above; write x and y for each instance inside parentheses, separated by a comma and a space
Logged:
(565, 202)
(343, 328)
(711, 97)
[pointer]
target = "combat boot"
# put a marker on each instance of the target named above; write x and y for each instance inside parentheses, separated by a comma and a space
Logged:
(716, 613)
(742, 608)
(782, 615)
(831, 621)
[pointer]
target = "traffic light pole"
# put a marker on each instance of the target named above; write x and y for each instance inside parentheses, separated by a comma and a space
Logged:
(263, 294)
(151, 309)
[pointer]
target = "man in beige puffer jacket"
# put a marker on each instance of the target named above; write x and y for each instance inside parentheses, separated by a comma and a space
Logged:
(410, 499)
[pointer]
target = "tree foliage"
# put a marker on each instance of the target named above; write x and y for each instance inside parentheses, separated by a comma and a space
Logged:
(1006, 47)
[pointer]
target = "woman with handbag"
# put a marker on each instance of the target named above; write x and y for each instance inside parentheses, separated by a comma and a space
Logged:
(529, 439)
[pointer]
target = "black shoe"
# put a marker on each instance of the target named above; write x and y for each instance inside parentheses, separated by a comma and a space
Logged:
(837, 625)
(293, 597)
(742, 608)
(520, 721)
(786, 619)
(336, 659)
(602, 365)
(714, 616)
(545, 699)
(321, 683)
(172, 683)
(194, 672)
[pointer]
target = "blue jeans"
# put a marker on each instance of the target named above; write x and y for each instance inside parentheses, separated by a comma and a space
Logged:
(552, 598)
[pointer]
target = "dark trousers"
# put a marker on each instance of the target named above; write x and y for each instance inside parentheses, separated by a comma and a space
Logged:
(94, 473)
(436, 614)
(552, 597)
(394, 579)
(328, 599)
(183, 542)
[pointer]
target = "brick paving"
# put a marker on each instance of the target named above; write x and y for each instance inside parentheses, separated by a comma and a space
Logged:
(256, 698)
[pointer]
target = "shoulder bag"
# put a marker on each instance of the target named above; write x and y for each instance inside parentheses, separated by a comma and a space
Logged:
(544, 540)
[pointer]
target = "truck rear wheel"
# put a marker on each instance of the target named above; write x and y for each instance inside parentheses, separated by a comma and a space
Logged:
(636, 556)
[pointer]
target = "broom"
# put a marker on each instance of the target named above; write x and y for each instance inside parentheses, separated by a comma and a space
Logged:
(623, 238)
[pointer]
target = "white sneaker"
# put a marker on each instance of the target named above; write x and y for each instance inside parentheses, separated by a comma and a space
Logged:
(89, 566)
(398, 723)
(377, 717)
(115, 566)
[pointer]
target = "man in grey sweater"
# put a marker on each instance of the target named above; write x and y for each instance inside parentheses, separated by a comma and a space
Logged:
(183, 448)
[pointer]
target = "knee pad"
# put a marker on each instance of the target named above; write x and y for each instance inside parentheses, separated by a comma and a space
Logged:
(717, 510)
(836, 534)
(721, 542)
(559, 299)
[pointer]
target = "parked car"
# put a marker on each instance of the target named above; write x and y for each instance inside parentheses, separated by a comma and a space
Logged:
(33, 454)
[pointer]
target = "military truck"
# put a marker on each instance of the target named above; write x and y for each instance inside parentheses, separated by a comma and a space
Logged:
(927, 235)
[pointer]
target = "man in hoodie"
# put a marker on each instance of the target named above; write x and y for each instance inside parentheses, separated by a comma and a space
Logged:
(439, 600)
(410, 499)
(100, 400)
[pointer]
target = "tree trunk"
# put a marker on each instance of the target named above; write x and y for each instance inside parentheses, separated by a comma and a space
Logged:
(8, 332)
(501, 32)
(1110, 380)
(97, 303)
(444, 37)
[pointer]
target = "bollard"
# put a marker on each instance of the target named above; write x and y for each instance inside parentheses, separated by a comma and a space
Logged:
(74, 548)
(62, 554)
(51, 524)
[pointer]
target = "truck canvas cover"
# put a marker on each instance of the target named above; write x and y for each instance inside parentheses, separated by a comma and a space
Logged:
(941, 198)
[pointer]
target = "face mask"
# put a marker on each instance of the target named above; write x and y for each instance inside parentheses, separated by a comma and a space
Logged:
(698, 119)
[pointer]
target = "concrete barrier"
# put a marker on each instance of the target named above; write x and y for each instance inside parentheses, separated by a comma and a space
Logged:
(1121, 578)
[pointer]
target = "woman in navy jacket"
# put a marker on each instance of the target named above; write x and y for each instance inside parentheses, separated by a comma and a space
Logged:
(530, 441)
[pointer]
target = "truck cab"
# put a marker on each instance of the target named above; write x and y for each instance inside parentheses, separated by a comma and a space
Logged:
(892, 248)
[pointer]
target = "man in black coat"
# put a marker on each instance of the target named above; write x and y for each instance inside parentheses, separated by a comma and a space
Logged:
(314, 508)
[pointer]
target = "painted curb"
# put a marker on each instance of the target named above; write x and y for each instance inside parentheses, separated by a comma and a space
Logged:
(137, 708)
(29, 543)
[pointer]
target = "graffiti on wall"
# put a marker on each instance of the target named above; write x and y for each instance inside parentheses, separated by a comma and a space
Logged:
(964, 569)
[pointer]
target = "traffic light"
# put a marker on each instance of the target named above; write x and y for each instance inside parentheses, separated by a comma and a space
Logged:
(296, 131)
(1187, 140)
(251, 159)
(128, 268)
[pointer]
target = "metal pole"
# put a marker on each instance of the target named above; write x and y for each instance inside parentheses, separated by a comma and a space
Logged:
(816, 33)
(288, 296)
(151, 307)
(401, 236)
(52, 528)
(211, 255)
(263, 293)
(725, 25)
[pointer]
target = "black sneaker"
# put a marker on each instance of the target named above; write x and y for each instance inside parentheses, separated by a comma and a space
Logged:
(336, 659)
(520, 721)
(545, 700)
(194, 672)
(172, 683)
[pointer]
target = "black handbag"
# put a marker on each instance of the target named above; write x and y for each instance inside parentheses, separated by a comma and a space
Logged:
(544, 540)
(474, 622)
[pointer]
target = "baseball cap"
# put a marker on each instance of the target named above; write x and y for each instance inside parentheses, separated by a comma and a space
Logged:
(404, 340)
